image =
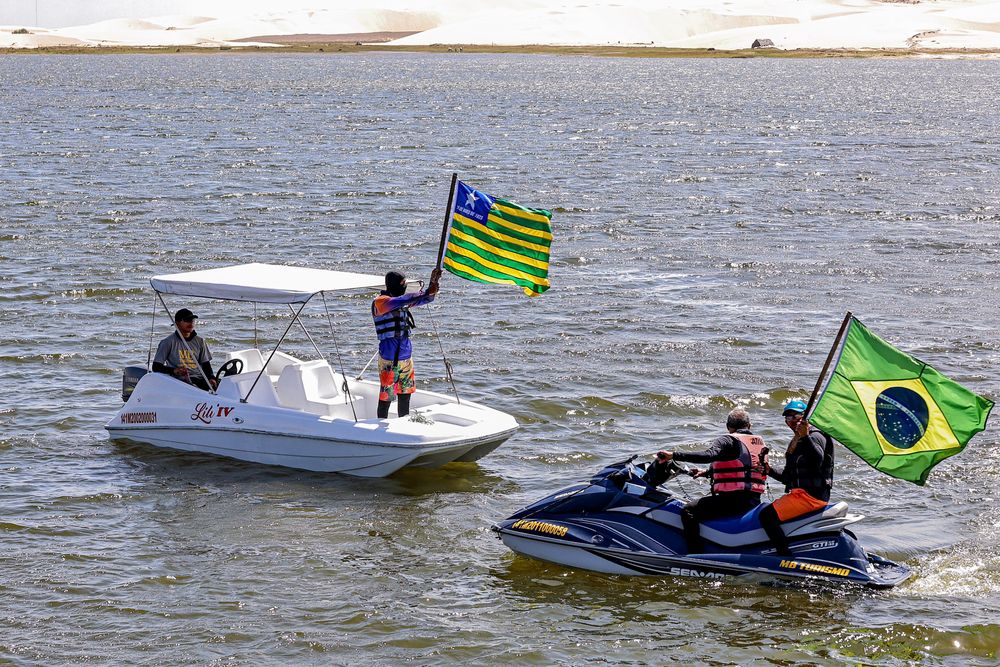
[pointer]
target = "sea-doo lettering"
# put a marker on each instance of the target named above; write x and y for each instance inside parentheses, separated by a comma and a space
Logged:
(687, 572)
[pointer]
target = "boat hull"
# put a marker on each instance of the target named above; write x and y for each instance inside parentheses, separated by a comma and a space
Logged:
(166, 413)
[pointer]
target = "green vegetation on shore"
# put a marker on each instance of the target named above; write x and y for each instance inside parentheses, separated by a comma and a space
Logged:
(595, 51)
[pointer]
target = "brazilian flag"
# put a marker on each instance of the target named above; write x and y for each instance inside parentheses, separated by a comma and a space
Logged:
(493, 240)
(894, 411)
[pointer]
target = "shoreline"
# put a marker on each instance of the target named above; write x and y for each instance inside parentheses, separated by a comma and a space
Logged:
(347, 44)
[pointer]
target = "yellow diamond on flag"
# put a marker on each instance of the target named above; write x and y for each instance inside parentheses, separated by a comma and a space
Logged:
(905, 417)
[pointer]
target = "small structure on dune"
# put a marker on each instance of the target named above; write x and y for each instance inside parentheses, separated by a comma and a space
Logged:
(762, 44)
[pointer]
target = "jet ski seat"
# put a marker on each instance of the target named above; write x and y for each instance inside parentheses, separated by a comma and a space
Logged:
(744, 530)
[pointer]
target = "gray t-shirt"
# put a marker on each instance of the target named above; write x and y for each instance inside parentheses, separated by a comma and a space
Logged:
(176, 353)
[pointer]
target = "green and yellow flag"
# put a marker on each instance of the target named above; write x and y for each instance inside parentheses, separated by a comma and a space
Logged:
(493, 240)
(894, 411)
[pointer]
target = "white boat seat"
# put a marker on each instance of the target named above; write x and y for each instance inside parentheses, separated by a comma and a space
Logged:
(278, 362)
(310, 386)
(235, 387)
(252, 360)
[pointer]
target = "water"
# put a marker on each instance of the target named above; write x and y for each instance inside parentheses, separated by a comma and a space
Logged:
(714, 220)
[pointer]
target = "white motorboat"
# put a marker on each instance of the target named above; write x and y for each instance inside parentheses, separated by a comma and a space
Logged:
(281, 410)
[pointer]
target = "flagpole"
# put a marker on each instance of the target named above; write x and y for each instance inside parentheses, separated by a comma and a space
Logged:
(802, 429)
(829, 358)
(445, 228)
(447, 219)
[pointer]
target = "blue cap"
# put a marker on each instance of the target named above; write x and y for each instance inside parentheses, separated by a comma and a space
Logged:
(795, 406)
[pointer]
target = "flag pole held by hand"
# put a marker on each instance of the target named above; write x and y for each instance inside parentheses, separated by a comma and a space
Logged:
(447, 222)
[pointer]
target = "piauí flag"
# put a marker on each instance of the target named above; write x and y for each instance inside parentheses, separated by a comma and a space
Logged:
(493, 240)
(894, 411)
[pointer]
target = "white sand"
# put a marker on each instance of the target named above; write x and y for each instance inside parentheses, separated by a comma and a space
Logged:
(720, 24)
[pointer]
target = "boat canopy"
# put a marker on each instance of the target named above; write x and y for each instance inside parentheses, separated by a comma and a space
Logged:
(261, 283)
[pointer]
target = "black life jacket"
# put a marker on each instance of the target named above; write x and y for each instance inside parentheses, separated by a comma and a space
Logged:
(394, 324)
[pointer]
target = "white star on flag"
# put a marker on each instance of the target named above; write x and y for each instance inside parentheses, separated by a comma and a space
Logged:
(470, 199)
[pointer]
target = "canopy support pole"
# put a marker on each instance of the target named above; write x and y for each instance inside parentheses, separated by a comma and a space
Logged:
(346, 388)
(367, 365)
(152, 333)
(271, 356)
(308, 335)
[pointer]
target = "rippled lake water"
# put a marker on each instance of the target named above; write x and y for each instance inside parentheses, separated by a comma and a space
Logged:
(713, 219)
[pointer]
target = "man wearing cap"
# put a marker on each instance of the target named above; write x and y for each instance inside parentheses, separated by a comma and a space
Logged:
(807, 476)
(184, 354)
(393, 321)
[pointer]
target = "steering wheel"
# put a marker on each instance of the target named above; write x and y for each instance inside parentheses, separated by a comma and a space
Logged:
(231, 367)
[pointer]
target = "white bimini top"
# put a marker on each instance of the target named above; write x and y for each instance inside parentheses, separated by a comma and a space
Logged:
(262, 283)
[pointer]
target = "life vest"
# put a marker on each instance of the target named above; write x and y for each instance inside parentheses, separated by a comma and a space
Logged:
(746, 473)
(394, 324)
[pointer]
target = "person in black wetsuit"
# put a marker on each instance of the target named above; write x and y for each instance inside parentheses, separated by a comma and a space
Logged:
(738, 472)
(807, 476)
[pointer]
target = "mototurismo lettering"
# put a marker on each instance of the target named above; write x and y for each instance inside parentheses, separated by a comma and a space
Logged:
(138, 417)
(813, 567)
(541, 527)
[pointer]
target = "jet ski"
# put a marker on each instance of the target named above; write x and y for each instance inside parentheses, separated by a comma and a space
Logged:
(619, 524)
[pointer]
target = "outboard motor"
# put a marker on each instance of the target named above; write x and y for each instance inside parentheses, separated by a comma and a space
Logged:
(130, 378)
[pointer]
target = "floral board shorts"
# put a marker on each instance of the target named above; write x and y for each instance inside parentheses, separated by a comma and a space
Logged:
(395, 379)
(796, 503)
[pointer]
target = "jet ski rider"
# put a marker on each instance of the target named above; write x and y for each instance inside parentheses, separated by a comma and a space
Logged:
(738, 471)
(808, 476)
(393, 321)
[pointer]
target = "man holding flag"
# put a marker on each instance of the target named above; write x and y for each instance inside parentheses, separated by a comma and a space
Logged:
(393, 321)
(807, 476)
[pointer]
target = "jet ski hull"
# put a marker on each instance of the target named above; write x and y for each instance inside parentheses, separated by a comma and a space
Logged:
(601, 527)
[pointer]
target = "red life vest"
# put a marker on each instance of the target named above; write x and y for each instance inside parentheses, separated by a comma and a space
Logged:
(746, 473)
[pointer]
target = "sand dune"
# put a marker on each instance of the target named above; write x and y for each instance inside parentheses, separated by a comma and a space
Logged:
(720, 24)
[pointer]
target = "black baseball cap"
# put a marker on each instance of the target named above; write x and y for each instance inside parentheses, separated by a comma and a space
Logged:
(184, 315)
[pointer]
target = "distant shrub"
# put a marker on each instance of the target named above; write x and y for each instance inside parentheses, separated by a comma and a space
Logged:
(22, 31)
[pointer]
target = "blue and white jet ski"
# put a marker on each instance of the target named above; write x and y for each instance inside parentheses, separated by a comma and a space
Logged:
(617, 523)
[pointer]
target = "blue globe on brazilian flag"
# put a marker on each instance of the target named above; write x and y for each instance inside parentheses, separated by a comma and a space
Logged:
(894, 411)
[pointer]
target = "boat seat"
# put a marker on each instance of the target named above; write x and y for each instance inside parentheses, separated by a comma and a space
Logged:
(252, 360)
(235, 387)
(279, 360)
(310, 386)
